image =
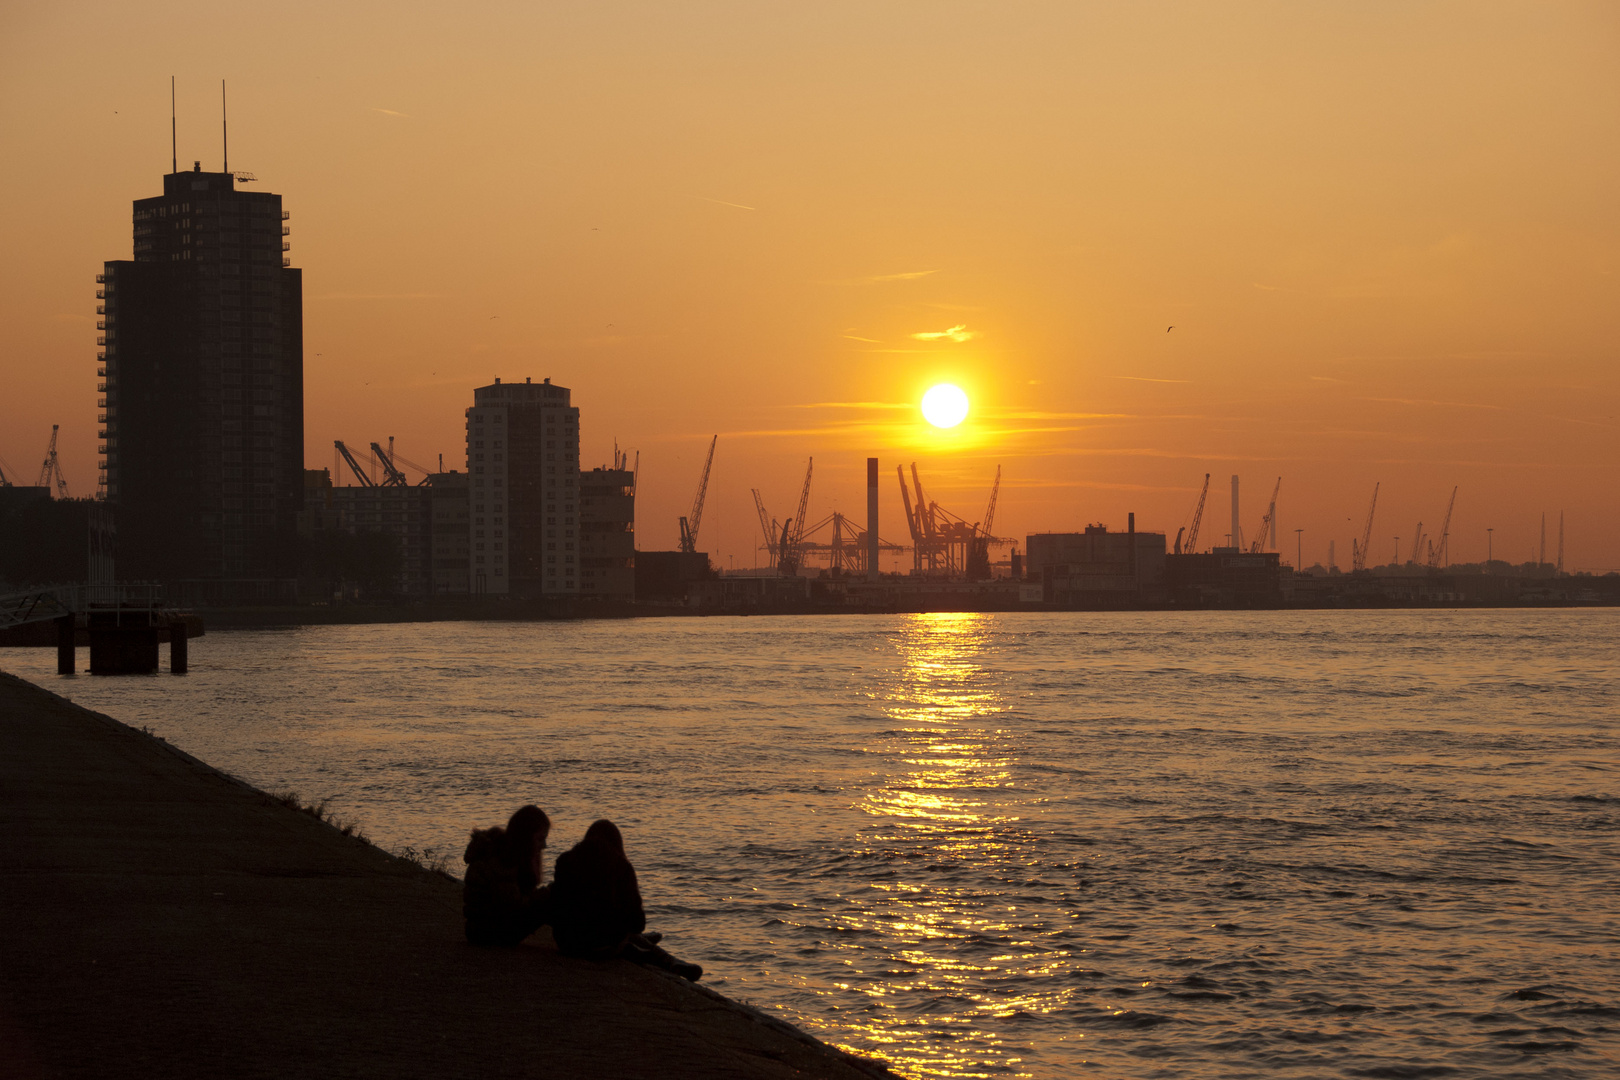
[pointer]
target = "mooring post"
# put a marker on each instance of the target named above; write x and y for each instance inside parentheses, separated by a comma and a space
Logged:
(66, 653)
(177, 647)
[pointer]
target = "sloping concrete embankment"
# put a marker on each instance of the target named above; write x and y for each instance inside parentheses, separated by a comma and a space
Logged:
(159, 918)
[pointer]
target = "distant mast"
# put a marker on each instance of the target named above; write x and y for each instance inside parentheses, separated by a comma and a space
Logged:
(1237, 534)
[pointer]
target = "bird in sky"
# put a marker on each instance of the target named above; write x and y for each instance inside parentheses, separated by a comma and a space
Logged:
(1168, 329)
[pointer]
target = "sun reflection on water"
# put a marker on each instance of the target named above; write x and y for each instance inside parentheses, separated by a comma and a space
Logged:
(945, 828)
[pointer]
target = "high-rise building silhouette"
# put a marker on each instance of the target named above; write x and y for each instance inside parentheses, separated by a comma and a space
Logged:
(523, 463)
(202, 389)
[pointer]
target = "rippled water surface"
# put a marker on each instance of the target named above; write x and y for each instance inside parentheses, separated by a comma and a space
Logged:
(1380, 844)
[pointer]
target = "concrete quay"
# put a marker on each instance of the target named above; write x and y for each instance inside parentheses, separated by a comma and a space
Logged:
(160, 918)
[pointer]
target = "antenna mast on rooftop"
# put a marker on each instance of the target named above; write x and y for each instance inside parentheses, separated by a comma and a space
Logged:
(224, 127)
(174, 138)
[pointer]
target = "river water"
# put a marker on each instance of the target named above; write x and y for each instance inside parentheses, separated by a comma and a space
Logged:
(1381, 844)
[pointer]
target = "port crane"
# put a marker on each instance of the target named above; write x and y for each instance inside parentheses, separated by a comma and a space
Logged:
(943, 543)
(392, 477)
(354, 466)
(1267, 522)
(978, 561)
(789, 556)
(1437, 552)
(1197, 519)
(50, 472)
(690, 523)
(1358, 551)
(767, 526)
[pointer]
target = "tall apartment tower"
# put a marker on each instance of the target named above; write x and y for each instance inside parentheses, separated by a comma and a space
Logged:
(202, 389)
(523, 463)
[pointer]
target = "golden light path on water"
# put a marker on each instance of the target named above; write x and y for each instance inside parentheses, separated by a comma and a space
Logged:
(951, 798)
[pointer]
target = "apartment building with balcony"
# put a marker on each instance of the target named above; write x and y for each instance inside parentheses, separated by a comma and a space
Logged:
(200, 388)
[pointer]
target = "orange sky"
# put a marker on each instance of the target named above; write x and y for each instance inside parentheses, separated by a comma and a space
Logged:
(1387, 235)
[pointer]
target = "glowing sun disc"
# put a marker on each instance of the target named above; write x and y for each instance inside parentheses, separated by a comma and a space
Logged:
(945, 406)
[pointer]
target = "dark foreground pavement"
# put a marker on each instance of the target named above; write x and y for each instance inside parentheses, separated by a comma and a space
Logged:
(158, 918)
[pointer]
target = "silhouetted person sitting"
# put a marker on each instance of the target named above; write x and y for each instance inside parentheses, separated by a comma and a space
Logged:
(501, 896)
(596, 905)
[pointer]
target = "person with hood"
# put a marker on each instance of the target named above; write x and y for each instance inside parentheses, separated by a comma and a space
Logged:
(596, 904)
(502, 899)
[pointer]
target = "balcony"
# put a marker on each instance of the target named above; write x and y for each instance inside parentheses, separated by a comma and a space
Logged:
(285, 214)
(101, 309)
(101, 373)
(285, 246)
(285, 231)
(100, 339)
(100, 278)
(101, 294)
(101, 388)
(286, 262)
(101, 324)
(101, 403)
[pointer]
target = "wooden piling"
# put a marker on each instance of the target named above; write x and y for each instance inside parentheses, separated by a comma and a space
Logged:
(177, 647)
(66, 654)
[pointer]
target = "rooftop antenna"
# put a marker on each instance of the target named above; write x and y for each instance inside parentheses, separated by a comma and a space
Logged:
(224, 127)
(174, 141)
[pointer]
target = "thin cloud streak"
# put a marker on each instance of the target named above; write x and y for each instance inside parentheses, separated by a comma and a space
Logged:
(723, 202)
(381, 296)
(391, 112)
(1138, 378)
(1441, 404)
(855, 405)
(912, 275)
(958, 333)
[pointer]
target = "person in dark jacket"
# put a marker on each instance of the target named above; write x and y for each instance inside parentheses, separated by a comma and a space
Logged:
(502, 899)
(596, 904)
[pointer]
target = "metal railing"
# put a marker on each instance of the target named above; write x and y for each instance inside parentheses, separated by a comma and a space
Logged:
(49, 602)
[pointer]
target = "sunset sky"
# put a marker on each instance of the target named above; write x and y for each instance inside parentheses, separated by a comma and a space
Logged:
(1387, 236)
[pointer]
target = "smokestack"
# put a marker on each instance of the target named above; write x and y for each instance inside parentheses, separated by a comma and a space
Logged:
(1237, 535)
(1130, 533)
(871, 519)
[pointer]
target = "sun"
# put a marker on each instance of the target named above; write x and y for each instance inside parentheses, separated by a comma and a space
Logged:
(945, 406)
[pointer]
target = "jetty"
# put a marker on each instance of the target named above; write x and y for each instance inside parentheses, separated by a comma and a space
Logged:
(161, 918)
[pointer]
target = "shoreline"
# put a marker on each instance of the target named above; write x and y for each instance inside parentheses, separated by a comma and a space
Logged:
(201, 927)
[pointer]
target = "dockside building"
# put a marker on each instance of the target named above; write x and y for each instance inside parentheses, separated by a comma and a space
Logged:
(1097, 568)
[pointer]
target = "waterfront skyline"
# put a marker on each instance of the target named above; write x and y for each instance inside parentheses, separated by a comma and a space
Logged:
(1383, 238)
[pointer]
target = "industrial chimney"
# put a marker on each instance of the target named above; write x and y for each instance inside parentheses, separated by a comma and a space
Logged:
(871, 519)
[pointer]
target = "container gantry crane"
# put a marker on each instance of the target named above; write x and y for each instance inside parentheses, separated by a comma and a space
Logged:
(690, 523)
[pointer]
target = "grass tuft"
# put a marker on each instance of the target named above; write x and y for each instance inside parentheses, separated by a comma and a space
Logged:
(431, 859)
(320, 812)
